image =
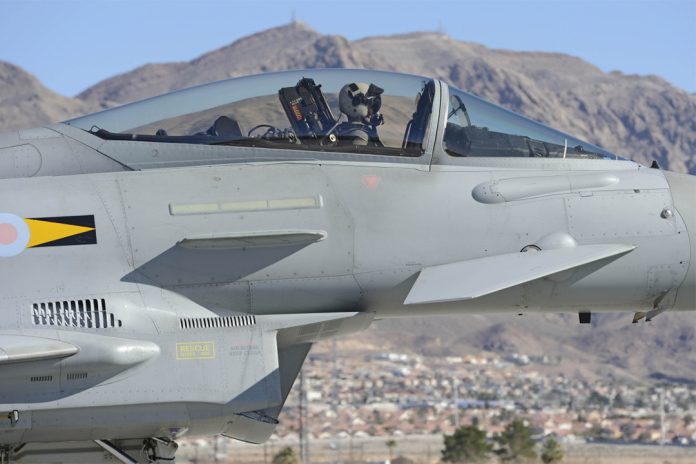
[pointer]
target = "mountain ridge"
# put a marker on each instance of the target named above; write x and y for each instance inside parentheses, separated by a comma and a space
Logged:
(640, 117)
(25, 102)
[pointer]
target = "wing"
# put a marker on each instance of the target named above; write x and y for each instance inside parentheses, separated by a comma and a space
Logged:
(222, 258)
(254, 240)
(465, 280)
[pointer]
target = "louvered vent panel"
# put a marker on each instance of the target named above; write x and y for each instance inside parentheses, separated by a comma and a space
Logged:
(216, 322)
(89, 314)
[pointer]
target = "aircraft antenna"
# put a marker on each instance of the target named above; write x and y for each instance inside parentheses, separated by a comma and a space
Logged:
(565, 148)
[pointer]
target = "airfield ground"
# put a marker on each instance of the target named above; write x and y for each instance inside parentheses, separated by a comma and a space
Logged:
(422, 449)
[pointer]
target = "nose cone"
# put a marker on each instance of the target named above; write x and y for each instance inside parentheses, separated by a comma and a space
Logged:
(683, 189)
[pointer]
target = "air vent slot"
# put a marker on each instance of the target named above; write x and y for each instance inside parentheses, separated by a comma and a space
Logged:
(76, 376)
(216, 322)
(89, 314)
(42, 378)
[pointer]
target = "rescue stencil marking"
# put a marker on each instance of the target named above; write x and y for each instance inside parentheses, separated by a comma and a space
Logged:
(18, 234)
(195, 350)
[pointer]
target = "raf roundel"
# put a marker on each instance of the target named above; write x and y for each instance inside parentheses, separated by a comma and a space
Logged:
(14, 235)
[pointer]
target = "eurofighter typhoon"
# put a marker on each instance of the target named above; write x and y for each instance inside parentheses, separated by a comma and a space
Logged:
(167, 265)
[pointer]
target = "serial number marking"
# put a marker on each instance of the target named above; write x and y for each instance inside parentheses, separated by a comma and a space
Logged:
(241, 350)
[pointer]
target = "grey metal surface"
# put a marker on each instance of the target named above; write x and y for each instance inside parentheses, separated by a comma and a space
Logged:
(18, 348)
(683, 190)
(466, 280)
(188, 303)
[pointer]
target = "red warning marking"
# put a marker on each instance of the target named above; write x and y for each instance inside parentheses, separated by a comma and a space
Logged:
(371, 181)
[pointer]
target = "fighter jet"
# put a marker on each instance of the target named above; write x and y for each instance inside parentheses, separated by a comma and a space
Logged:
(167, 265)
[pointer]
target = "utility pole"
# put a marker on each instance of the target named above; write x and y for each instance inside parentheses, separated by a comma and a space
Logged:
(304, 426)
(308, 458)
(301, 412)
(350, 447)
(662, 417)
(455, 394)
(334, 401)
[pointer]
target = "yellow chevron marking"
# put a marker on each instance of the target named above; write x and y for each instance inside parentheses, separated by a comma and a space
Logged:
(44, 231)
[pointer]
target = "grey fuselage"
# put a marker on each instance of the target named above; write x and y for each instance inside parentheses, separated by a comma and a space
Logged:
(172, 349)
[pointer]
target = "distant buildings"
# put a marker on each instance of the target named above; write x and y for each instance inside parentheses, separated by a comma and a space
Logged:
(396, 393)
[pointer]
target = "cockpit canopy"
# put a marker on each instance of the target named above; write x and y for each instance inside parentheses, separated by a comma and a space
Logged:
(292, 110)
(476, 127)
(335, 110)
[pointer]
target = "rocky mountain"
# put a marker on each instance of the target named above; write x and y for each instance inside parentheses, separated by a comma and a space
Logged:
(289, 47)
(661, 350)
(640, 117)
(25, 102)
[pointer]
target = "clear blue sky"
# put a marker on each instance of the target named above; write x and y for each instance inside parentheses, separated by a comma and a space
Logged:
(72, 44)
